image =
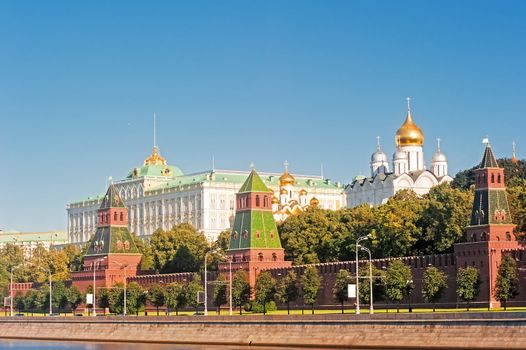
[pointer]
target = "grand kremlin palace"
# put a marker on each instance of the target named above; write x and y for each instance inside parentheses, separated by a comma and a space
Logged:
(160, 195)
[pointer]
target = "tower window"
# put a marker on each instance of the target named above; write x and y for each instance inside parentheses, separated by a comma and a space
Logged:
(122, 217)
(115, 216)
(260, 256)
(257, 201)
(492, 178)
(498, 178)
(265, 201)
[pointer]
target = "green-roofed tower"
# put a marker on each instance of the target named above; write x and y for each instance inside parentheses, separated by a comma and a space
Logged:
(491, 230)
(112, 249)
(254, 240)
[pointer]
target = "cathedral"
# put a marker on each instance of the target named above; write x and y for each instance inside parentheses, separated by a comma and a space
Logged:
(408, 169)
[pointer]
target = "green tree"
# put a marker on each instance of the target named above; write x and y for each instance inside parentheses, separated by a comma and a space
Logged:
(175, 297)
(265, 289)
(507, 285)
(136, 298)
(192, 289)
(18, 302)
(468, 283)
(398, 282)
(311, 284)
(287, 289)
(219, 293)
(157, 296)
(397, 225)
(116, 298)
(181, 249)
(433, 285)
(339, 291)
(222, 242)
(516, 190)
(445, 218)
(240, 289)
(103, 299)
(147, 263)
(73, 297)
(31, 301)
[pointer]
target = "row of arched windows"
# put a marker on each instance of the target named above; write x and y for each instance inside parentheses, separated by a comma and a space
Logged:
(244, 202)
(482, 178)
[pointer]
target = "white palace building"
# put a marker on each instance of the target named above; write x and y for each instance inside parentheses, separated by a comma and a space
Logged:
(160, 195)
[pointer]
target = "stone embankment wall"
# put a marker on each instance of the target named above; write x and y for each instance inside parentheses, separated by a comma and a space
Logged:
(445, 331)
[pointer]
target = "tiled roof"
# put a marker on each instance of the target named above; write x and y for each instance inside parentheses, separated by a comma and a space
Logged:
(488, 159)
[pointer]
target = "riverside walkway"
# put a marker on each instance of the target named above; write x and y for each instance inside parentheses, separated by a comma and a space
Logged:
(489, 330)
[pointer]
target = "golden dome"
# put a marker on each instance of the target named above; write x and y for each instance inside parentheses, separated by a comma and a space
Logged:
(275, 200)
(314, 202)
(409, 133)
(283, 191)
(302, 192)
(155, 158)
(286, 179)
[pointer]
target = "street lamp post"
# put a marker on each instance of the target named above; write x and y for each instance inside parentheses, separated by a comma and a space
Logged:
(371, 308)
(125, 268)
(206, 281)
(11, 289)
(94, 286)
(363, 238)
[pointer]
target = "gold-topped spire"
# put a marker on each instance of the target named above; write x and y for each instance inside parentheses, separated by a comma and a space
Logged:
(409, 133)
(155, 158)
(286, 178)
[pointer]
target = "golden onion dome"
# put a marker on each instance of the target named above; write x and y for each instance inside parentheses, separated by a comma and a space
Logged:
(283, 191)
(275, 200)
(314, 202)
(287, 179)
(409, 133)
(302, 192)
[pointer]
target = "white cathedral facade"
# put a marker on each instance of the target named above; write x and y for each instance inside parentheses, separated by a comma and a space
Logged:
(408, 169)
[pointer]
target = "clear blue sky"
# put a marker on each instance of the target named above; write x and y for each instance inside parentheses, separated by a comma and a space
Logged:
(247, 81)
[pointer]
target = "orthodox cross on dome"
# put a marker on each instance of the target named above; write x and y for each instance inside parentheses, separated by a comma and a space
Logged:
(252, 166)
(378, 143)
(438, 145)
(408, 103)
(485, 140)
(286, 164)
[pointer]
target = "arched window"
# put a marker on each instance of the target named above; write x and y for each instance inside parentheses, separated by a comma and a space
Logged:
(122, 216)
(257, 201)
(498, 178)
(274, 257)
(265, 201)
(483, 236)
(492, 178)
(474, 237)
(114, 216)
(508, 236)
(260, 256)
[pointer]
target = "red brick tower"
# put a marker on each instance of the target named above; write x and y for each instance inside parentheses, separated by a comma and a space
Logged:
(112, 251)
(491, 229)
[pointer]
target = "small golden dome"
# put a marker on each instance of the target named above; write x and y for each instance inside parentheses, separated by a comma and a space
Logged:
(155, 158)
(409, 133)
(314, 202)
(283, 191)
(303, 192)
(275, 200)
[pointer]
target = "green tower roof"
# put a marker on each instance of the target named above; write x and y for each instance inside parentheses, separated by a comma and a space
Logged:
(255, 227)
(488, 160)
(253, 183)
(112, 199)
(112, 240)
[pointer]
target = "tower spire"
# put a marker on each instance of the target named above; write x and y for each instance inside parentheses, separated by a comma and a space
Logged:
(154, 131)
(513, 156)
